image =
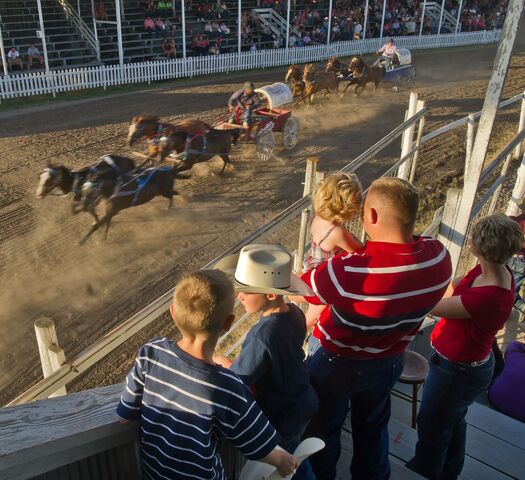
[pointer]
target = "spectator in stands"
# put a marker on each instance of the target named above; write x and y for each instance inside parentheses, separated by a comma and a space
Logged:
(214, 49)
(161, 8)
(160, 28)
(14, 59)
(100, 11)
(224, 29)
(356, 351)
(208, 28)
(292, 40)
(473, 310)
(169, 48)
(253, 48)
(34, 55)
(306, 39)
(198, 402)
(507, 392)
(149, 25)
(410, 26)
(358, 31)
(272, 356)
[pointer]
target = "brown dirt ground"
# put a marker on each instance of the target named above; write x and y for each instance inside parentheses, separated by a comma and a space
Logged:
(88, 290)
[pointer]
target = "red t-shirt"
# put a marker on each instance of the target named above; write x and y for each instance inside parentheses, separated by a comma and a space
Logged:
(470, 339)
(378, 297)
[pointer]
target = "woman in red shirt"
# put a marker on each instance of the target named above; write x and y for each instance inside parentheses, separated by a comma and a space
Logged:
(473, 310)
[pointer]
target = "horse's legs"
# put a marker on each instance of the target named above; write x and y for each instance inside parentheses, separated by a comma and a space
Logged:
(108, 223)
(93, 213)
(93, 229)
(225, 159)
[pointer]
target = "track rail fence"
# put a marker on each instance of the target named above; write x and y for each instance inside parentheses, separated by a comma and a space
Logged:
(56, 81)
(121, 333)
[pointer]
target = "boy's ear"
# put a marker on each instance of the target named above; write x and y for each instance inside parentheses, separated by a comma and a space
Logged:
(228, 322)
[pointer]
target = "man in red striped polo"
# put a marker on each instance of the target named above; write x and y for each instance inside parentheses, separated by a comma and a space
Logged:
(377, 300)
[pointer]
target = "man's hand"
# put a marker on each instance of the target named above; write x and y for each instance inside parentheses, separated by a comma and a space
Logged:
(223, 361)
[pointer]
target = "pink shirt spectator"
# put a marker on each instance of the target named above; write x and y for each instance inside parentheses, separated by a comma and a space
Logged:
(149, 23)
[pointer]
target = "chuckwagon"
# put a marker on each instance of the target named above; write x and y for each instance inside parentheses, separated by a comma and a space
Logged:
(274, 116)
(401, 71)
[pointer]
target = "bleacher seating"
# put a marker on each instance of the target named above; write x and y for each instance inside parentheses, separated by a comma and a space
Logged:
(65, 46)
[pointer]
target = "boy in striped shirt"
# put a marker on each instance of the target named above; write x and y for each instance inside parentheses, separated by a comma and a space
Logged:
(185, 402)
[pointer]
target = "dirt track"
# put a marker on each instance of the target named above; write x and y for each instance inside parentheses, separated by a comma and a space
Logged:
(87, 290)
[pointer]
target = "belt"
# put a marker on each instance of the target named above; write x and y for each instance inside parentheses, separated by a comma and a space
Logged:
(464, 364)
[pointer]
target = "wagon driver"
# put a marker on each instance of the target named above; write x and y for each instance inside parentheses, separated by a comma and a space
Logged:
(244, 101)
(387, 51)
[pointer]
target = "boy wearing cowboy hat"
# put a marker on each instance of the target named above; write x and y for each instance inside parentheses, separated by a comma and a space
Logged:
(272, 356)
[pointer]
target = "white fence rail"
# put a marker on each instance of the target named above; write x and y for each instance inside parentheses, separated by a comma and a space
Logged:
(56, 81)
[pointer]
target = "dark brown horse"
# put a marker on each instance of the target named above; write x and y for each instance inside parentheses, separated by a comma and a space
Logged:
(294, 77)
(130, 191)
(197, 148)
(157, 134)
(317, 81)
(71, 181)
(335, 66)
(364, 74)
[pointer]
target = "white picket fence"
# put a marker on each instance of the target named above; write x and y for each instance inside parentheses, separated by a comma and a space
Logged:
(37, 83)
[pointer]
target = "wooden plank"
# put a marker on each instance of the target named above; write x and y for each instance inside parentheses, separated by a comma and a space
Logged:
(398, 470)
(482, 445)
(497, 424)
(402, 445)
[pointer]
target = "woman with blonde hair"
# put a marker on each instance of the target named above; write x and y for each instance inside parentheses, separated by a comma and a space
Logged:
(473, 309)
(337, 200)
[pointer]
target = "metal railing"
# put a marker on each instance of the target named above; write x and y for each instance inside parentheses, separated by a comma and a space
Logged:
(81, 27)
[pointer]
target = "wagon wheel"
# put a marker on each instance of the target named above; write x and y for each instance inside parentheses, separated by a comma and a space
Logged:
(411, 77)
(396, 80)
(290, 133)
(265, 145)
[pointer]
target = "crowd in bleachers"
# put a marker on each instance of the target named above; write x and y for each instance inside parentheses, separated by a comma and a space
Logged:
(31, 58)
(367, 301)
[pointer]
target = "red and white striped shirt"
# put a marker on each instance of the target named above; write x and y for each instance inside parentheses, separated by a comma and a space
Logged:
(378, 298)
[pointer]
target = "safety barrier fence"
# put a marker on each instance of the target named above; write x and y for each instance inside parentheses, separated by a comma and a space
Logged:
(66, 371)
(57, 81)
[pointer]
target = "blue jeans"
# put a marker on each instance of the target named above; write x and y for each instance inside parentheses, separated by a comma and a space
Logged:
(449, 390)
(366, 385)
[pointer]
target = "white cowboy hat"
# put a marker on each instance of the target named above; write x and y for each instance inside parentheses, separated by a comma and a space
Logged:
(263, 269)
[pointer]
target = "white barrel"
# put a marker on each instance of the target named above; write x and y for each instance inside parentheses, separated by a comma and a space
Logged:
(404, 56)
(276, 94)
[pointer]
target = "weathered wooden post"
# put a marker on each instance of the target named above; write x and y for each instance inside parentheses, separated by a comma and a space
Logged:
(518, 192)
(471, 133)
(51, 355)
(517, 151)
(309, 186)
(408, 138)
(420, 128)
(447, 234)
(495, 195)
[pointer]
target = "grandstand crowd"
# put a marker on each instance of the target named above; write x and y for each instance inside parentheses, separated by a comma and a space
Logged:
(212, 25)
(367, 301)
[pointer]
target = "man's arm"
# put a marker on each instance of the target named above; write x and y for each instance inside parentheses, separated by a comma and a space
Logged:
(233, 99)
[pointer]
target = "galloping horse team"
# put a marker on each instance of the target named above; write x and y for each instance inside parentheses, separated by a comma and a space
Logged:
(311, 80)
(121, 184)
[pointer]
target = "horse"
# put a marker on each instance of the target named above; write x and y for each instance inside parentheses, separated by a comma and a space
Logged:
(157, 134)
(316, 81)
(335, 66)
(71, 181)
(203, 147)
(129, 191)
(294, 77)
(363, 74)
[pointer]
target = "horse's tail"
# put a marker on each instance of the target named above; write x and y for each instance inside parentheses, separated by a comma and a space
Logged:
(236, 134)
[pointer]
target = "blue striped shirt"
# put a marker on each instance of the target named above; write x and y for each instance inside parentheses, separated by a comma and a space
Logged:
(185, 407)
